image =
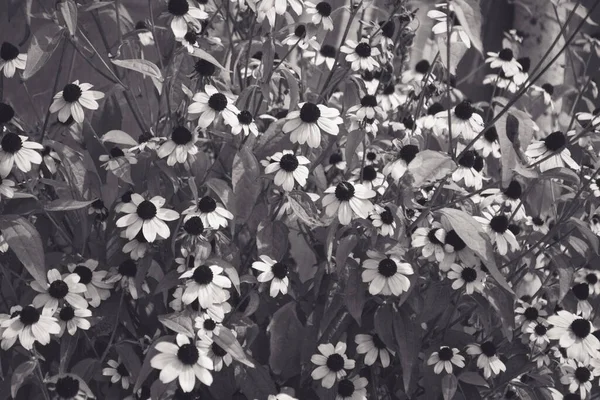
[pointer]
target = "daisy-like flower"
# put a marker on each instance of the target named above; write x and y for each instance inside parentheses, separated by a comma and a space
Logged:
(444, 358)
(336, 160)
(360, 55)
(125, 275)
(69, 387)
(431, 241)
(348, 201)
(302, 38)
(205, 283)
(468, 171)
(271, 8)
(207, 326)
(538, 334)
(522, 75)
(71, 319)
(184, 12)
(399, 167)
(208, 106)
(575, 334)
(213, 214)
(117, 158)
(594, 185)
(52, 294)
(96, 288)
(386, 274)
(19, 150)
(373, 348)
(528, 313)
(499, 79)
(6, 188)
(579, 377)
(538, 223)
(305, 124)
(29, 325)
(288, 168)
(180, 145)
(487, 359)
(509, 198)
(189, 41)
(457, 32)
(146, 216)
(219, 356)
(245, 124)
(144, 34)
(390, 98)
(465, 121)
(136, 247)
(383, 219)
(184, 361)
(369, 177)
(274, 271)
(545, 92)
(368, 108)
(488, 143)
(332, 364)
(495, 223)
(471, 278)
(14, 312)
(431, 121)
(591, 277)
(552, 151)
(454, 246)
(193, 231)
(321, 14)
(7, 115)
(582, 294)
(352, 388)
(70, 101)
(117, 372)
(326, 54)
(505, 60)
(11, 59)
(418, 73)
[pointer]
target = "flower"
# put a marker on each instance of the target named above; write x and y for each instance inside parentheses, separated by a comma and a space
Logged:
(183, 360)
(551, 152)
(219, 356)
(207, 326)
(271, 8)
(212, 213)
(183, 12)
(11, 59)
(305, 124)
(301, 38)
(470, 165)
(453, 246)
(383, 220)
(399, 167)
(245, 123)
(431, 240)
(527, 313)
(19, 150)
(352, 388)
(117, 158)
(575, 334)
(537, 334)
(58, 289)
(369, 177)
(469, 277)
(360, 55)
(509, 198)
(444, 358)
(281, 396)
(117, 372)
(126, 274)
(465, 121)
(206, 284)
(368, 108)
(538, 224)
(487, 358)
(69, 387)
(373, 347)
(336, 160)
(582, 294)
(189, 41)
(97, 289)
(579, 377)
(72, 99)
(70, 319)
(591, 277)
(146, 216)
(418, 73)
(209, 105)
(545, 92)
(348, 201)
(29, 325)
(522, 75)
(489, 143)
(8, 343)
(288, 168)
(6, 188)
(144, 34)
(326, 54)
(505, 60)
(431, 120)
(390, 98)
(501, 81)
(180, 145)
(136, 247)
(274, 271)
(495, 223)
(332, 363)
(386, 274)
(457, 32)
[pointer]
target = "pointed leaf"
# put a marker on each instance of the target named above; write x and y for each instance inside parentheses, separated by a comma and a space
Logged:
(285, 332)
(384, 329)
(468, 13)
(229, 343)
(143, 66)
(25, 241)
(67, 205)
(449, 386)
(20, 376)
(129, 358)
(119, 137)
(272, 239)
(408, 339)
(473, 378)
(206, 56)
(429, 166)
(41, 48)
(178, 323)
(354, 290)
(68, 9)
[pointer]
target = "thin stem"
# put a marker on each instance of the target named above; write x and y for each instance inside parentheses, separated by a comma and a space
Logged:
(54, 89)
(114, 331)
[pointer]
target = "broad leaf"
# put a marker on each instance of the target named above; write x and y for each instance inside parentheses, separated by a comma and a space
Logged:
(246, 186)
(25, 241)
(457, 51)
(20, 376)
(143, 66)
(272, 239)
(468, 13)
(178, 323)
(449, 386)
(67, 205)
(146, 367)
(504, 303)
(408, 338)
(119, 137)
(473, 378)
(41, 48)
(206, 56)
(129, 358)
(229, 343)
(222, 189)
(383, 326)
(68, 9)
(354, 290)
(429, 166)
(354, 139)
(285, 332)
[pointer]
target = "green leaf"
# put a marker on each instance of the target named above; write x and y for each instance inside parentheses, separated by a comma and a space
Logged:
(585, 230)
(68, 344)
(473, 378)
(178, 323)
(68, 9)
(129, 358)
(96, 5)
(119, 137)
(449, 386)
(20, 376)
(285, 332)
(504, 303)
(255, 383)
(246, 186)
(304, 208)
(145, 67)
(221, 189)
(293, 86)
(354, 290)
(457, 51)
(354, 139)
(206, 56)
(41, 48)
(468, 13)
(408, 338)
(272, 239)
(429, 166)
(563, 173)
(344, 248)
(383, 326)
(25, 241)
(67, 205)
(229, 343)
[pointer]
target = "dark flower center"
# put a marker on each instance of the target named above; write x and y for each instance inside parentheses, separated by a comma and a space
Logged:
(300, 31)
(66, 313)
(144, 137)
(368, 101)
(464, 110)
(581, 291)
(371, 156)
(571, 396)
(499, 223)
(386, 216)
(71, 92)
(29, 315)
(335, 158)
(178, 7)
(446, 354)
(67, 387)
(531, 313)
(369, 173)
(432, 238)
(116, 152)
(188, 354)
(203, 275)
(58, 289)
(140, 237)
(489, 349)
(581, 328)
(408, 152)
(389, 89)
(11, 143)
(345, 388)
(122, 370)
(126, 198)
(468, 274)
(388, 28)
(478, 165)
(514, 190)
(540, 330)
(8, 51)
(378, 342)
(218, 350)
(583, 374)
(310, 113)
(363, 50)
(324, 8)
(454, 18)
(140, 25)
(207, 204)
(505, 55)
(204, 67)
(85, 274)
(555, 141)
(344, 191)
(335, 362)
(280, 270)
(209, 324)
(190, 37)
(468, 159)
(217, 102)
(591, 278)
(288, 162)
(128, 268)
(435, 108)
(387, 267)
(537, 221)
(548, 88)
(408, 122)
(455, 241)
(422, 67)
(491, 135)
(245, 117)
(146, 210)
(327, 51)
(181, 395)
(6, 113)
(525, 63)
(194, 226)
(190, 262)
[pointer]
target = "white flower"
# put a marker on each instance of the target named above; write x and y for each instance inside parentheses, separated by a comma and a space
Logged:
(582, 294)
(390, 98)
(14, 312)
(136, 247)
(288, 168)
(183, 360)
(469, 277)
(551, 152)
(348, 201)
(469, 169)
(189, 41)
(144, 34)
(212, 213)
(205, 283)
(431, 240)
(117, 158)
(97, 289)
(500, 81)
(117, 372)
(495, 223)
(281, 396)
(146, 216)
(29, 325)
(305, 124)
(336, 160)
(6, 188)
(271, 8)
(457, 32)
(180, 145)
(444, 358)
(545, 92)
(207, 326)
(574, 334)
(302, 38)
(72, 99)
(274, 271)
(373, 347)
(184, 12)
(386, 274)
(332, 363)
(418, 73)
(68, 387)
(245, 123)
(489, 143)
(368, 108)
(487, 359)
(579, 377)
(219, 356)
(209, 105)
(360, 55)
(383, 220)
(431, 121)
(527, 313)
(399, 167)
(537, 334)
(19, 150)
(465, 121)
(370, 178)
(326, 54)
(58, 289)
(354, 388)
(71, 319)
(321, 14)
(591, 277)
(11, 59)
(505, 60)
